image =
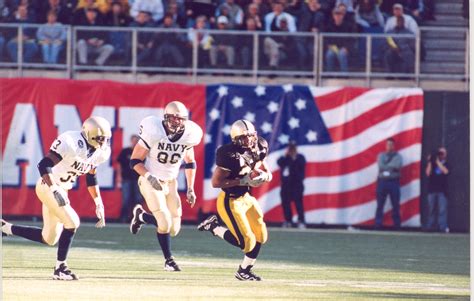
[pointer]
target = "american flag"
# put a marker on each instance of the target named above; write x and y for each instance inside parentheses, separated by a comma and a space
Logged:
(340, 131)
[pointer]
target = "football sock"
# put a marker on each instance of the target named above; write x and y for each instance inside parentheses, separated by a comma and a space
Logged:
(65, 241)
(30, 233)
(247, 261)
(58, 263)
(165, 244)
(254, 253)
(231, 239)
(149, 218)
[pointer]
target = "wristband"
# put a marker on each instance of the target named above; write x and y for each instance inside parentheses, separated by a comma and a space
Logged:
(98, 201)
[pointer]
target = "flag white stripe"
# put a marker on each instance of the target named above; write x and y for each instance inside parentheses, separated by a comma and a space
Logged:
(359, 213)
(364, 103)
(321, 91)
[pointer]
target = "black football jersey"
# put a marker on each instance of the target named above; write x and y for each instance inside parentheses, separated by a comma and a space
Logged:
(240, 162)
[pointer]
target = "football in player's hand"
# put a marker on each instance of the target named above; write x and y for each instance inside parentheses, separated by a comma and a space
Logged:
(255, 173)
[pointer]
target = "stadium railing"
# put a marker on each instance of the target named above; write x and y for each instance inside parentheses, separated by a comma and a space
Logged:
(300, 54)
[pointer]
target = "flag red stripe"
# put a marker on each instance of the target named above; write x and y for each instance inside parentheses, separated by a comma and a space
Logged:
(338, 98)
(354, 197)
(376, 115)
(407, 211)
(349, 164)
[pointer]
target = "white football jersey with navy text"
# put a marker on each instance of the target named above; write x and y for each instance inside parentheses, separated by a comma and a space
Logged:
(165, 156)
(76, 158)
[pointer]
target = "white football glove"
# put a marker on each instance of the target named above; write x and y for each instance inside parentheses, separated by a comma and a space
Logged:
(157, 183)
(59, 195)
(191, 197)
(99, 212)
(255, 182)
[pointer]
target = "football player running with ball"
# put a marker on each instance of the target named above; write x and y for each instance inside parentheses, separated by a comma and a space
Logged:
(157, 157)
(72, 154)
(240, 165)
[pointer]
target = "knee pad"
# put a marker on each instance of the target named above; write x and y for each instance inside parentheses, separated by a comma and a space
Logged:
(176, 226)
(164, 221)
(249, 242)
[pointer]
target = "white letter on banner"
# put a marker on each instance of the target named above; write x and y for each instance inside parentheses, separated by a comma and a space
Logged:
(66, 118)
(23, 144)
(130, 118)
(105, 172)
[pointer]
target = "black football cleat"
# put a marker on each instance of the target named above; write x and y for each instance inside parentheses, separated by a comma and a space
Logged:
(209, 224)
(136, 223)
(64, 273)
(171, 265)
(247, 274)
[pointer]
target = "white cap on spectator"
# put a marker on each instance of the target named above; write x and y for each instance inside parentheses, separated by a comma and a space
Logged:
(398, 5)
(222, 19)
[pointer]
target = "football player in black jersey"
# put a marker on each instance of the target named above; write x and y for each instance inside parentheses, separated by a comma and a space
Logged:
(239, 210)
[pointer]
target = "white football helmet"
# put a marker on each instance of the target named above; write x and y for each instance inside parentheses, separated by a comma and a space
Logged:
(96, 130)
(243, 133)
(175, 117)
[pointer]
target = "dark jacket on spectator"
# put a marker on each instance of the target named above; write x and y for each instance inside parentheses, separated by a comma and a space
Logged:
(308, 19)
(80, 18)
(144, 37)
(64, 11)
(121, 20)
(345, 27)
(91, 34)
(168, 37)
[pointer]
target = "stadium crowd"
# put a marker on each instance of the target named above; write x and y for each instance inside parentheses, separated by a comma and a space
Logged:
(170, 49)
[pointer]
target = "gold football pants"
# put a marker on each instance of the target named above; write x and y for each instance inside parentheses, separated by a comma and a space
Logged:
(244, 218)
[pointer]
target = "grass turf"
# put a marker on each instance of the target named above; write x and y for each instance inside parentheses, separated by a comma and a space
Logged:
(112, 264)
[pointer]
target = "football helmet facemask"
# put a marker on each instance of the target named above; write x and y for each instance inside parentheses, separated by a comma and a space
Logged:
(97, 132)
(175, 117)
(243, 133)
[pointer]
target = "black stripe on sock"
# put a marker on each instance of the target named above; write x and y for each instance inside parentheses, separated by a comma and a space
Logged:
(234, 223)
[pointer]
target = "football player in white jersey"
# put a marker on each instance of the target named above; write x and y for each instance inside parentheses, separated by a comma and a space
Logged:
(164, 144)
(72, 154)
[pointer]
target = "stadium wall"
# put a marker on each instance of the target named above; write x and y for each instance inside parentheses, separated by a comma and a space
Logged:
(446, 122)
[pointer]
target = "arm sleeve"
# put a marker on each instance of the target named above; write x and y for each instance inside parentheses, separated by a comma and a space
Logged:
(226, 160)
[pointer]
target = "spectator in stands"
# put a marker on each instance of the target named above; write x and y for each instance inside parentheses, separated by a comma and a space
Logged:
(29, 44)
(80, 14)
(117, 16)
(154, 7)
(337, 48)
(409, 22)
(263, 8)
(311, 18)
(197, 8)
(120, 40)
(369, 17)
(222, 43)
(246, 43)
(388, 183)
(272, 20)
(103, 6)
(63, 12)
(235, 14)
(400, 53)
(292, 172)
(179, 18)
(275, 46)
(93, 42)
(202, 38)
(127, 180)
(51, 37)
(169, 44)
(145, 39)
(437, 171)
(254, 14)
(348, 7)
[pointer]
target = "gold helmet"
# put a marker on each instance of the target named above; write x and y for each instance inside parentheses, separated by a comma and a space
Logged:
(175, 117)
(243, 133)
(96, 130)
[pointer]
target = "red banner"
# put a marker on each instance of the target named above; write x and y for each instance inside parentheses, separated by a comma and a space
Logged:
(36, 111)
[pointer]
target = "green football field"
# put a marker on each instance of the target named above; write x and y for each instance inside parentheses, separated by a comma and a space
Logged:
(112, 264)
